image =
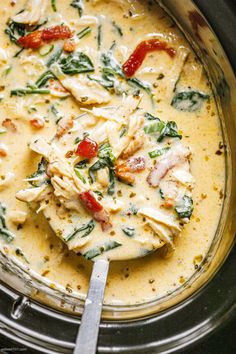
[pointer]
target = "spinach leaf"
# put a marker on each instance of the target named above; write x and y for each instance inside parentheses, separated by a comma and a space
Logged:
(44, 78)
(54, 5)
(111, 64)
(29, 91)
(38, 178)
(111, 186)
(79, 175)
(97, 251)
(105, 151)
(117, 28)
(149, 116)
(101, 163)
(99, 36)
(155, 127)
(164, 129)
(56, 113)
(141, 84)
(78, 4)
(4, 232)
(129, 231)
(123, 131)
(158, 152)
(184, 208)
(76, 63)
(15, 31)
(170, 129)
(189, 101)
(84, 32)
(87, 228)
(82, 164)
(55, 57)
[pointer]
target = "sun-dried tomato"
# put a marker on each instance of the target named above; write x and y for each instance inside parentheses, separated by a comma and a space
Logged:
(90, 202)
(137, 57)
(87, 148)
(38, 38)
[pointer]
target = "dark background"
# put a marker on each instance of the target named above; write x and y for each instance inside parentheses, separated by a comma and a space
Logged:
(223, 341)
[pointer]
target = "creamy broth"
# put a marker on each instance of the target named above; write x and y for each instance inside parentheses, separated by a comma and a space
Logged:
(112, 27)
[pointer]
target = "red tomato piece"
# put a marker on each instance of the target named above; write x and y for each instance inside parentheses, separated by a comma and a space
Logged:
(87, 148)
(32, 40)
(90, 202)
(137, 57)
(38, 38)
(56, 32)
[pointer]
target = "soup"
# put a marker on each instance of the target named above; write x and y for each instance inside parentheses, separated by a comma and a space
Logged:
(110, 146)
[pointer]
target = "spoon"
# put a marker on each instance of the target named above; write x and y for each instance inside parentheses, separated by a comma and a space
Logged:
(86, 342)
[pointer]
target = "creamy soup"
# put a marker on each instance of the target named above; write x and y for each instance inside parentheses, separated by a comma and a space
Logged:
(110, 146)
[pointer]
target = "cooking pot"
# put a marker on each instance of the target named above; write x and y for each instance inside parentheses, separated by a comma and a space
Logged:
(207, 300)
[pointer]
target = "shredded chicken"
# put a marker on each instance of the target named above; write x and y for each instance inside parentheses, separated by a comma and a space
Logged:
(6, 179)
(35, 194)
(33, 12)
(135, 144)
(64, 125)
(163, 225)
(176, 155)
(125, 170)
(17, 216)
(84, 90)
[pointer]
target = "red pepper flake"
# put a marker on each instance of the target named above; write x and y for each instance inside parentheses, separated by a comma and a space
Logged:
(9, 125)
(37, 123)
(137, 57)
(87, 148)
(38, 38)
(90, 202)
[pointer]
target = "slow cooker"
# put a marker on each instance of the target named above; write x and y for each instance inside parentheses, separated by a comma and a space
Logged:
(194, 310)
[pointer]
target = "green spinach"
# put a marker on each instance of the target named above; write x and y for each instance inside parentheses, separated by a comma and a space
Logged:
(184, 207)
(76, 63)
(84, 231)
(189, 101)
(78, 4)
(97, 251)
(129, 231)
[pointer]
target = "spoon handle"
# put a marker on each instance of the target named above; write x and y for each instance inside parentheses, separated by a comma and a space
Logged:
(86, 342)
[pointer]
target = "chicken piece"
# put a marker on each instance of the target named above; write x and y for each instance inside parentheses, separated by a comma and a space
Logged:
(6, 179)
(121, 113)
(33, 12)
(119, 144)
(35, 194)
(135, 144)
(163, 225)
(84, 90)
(17, 216)
(125, 170)
(103, 177)
(176, 155)
(64, 125)
(160, 218)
